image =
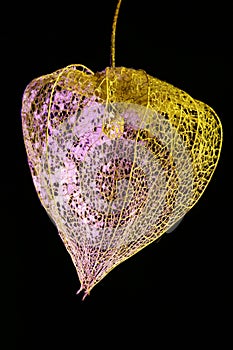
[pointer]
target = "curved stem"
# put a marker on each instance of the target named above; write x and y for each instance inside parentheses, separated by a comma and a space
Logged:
(113, 39)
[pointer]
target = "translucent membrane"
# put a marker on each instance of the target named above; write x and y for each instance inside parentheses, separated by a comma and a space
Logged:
(117, 159)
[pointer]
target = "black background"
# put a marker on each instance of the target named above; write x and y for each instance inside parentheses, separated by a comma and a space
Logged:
(176, 290)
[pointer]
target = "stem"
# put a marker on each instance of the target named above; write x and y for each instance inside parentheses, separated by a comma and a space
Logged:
(113, 39)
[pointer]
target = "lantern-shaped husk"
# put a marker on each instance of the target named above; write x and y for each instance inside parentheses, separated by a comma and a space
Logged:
(117, 158)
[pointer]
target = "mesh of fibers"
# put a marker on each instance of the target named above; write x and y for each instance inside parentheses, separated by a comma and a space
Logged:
(117, 157)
